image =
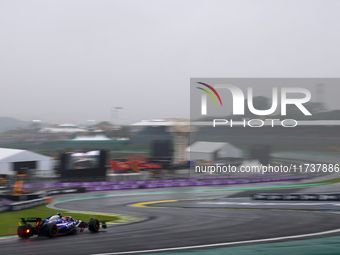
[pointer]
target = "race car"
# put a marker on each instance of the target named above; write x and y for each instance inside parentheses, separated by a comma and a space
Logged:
(56, 225)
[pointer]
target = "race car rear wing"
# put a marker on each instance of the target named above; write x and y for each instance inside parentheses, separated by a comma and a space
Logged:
(24, 220)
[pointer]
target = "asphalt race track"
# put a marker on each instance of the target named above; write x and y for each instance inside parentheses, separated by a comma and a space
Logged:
(178, 227)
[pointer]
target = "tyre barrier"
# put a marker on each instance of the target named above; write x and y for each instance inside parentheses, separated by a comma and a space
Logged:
(18, 206)
(42, 194)
(24, 197)
(65, 191)
(300, 197)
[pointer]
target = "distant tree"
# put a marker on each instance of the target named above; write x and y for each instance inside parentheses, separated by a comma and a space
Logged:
(312, 107)
(259, 103)
(315, 107)
(104, 123)
(123, 132)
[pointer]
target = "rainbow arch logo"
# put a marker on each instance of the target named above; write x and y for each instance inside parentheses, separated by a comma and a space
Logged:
(209, 93)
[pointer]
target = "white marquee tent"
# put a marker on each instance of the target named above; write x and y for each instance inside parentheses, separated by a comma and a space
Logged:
(10, 159)
(211, 151)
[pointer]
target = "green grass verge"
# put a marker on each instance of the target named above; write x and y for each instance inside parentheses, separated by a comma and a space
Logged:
(9, 220)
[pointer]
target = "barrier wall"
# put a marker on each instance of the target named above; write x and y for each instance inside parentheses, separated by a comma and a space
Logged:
(300, 197)
(17, 206)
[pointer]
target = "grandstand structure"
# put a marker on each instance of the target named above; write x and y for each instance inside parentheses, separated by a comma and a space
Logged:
(176, 129)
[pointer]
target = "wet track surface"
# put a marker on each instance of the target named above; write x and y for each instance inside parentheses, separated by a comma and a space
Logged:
(173, 227)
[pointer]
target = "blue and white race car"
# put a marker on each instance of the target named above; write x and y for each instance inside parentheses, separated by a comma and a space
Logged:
(56, 225)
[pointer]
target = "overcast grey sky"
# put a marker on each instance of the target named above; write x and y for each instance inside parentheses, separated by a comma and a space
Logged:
(69, 61)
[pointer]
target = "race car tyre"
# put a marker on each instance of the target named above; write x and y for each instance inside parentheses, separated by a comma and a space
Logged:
(24, 232)
(94, 225)
(51, 230)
